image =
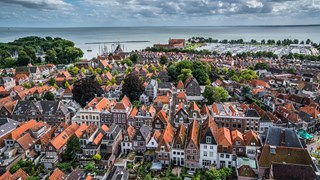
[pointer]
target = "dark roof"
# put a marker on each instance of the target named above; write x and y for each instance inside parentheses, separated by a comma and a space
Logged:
(7, 125)
(305, 117)
(33, 69)
(283, 171)
(277, 136)
(251, 113)
(265, 118)
(76, 175)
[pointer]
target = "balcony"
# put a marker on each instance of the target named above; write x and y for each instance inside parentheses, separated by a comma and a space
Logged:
(49, 160)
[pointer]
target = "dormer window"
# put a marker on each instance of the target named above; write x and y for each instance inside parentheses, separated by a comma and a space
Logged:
(237, 143)
(208, 139)
(162, 148)
(139, 138)
(178, 146)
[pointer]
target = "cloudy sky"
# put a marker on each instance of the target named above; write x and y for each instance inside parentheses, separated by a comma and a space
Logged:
(85, 13)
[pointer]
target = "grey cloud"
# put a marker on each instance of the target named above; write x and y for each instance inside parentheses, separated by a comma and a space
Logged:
(41, 4)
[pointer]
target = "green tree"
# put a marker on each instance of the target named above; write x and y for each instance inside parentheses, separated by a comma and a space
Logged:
(51, 56)
(73, 147)
(201, 75)
(248, 75)
(52, 81)
(26, 85)
(132, 87)
(75, 70)
(246, 90)
(127, 61)
(66, 84)
(184, 65)
(83, 70)
(185, 73)
(98, 70)
(72, 54)
(261, 66)
(212, 174)
(115, 72)
(215, 94)
(90, 167)
(163, 60)
(99, 80)
(49, 96)
(172, 71)
(134, 58)
(96, 157)
(9, 62)
(64, 166)
(23, 59)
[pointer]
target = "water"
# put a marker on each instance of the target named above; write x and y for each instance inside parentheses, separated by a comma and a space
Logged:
(159, 34)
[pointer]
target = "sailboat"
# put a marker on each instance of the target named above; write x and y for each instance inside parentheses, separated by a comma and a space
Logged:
(89, 50)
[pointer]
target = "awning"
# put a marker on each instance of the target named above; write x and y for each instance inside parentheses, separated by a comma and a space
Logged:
(304, 134)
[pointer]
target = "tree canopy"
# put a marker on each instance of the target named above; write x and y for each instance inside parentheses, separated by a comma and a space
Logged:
(132, 87)
(84, 90)
(29, 49)
(73, 147)
(215, 94)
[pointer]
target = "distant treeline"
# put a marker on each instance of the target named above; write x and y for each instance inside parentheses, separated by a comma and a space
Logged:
(33, 49)
(284, 42)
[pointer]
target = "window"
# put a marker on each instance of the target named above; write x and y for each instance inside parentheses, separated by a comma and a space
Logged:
(208, 139)
(205, 146)
(182, 153)
(211, 154)
(237, 143)
(222, 155)
(211, 147)
(174, 153)
(194, 151)
(205, 153)
(252, 143)
(227, 156)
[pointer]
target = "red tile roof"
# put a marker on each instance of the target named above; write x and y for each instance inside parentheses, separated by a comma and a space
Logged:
(162, 116)
(26, 141)
(180, 85)
(224, 137)
(57, 175)
(81, 130)
(63, 137)
(17, 133)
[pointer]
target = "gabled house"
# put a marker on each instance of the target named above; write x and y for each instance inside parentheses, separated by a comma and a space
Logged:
(126, 144)
(192, 148)
(238, 143)
(178, 147)
(252, 143)
(110, 145)
(161, 120)
(194, 113)
(192, 87)
(141, 138)
(181, 115)
(225, 156)
(57, 146)
(164, 146)
(151, 89)
(208, 143)
(154, 140)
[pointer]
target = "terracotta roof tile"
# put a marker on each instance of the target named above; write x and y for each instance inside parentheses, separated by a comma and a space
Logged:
(63, 137)
(20, 174)
(194, 107)
(26, 141)
(194, 132)
(167, 138)
(224, 137)
(182, 95)
(162, 99)
(251, 136)
(237, 136)
(81, 130)
(131, 132)
(162, 116)
(104, 128)
(17, 133)
(57, 175)
(180, 85)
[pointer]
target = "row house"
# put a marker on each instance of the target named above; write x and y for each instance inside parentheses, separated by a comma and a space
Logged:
(120, 112)
(151, 89)
(178, 147)
(233, 116)
(163, 150)
(126, 144)
(208, 143)
(7, 83)
(161, 120)
(187, 113)
(52, 112)
(143, 116)
(93, 144)
(110, 144)
(57, 146)
(154, 140)
(91, 113)
(140, 139)
(192, 148)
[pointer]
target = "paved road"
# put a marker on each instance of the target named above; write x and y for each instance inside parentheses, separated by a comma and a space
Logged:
(173, 107)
